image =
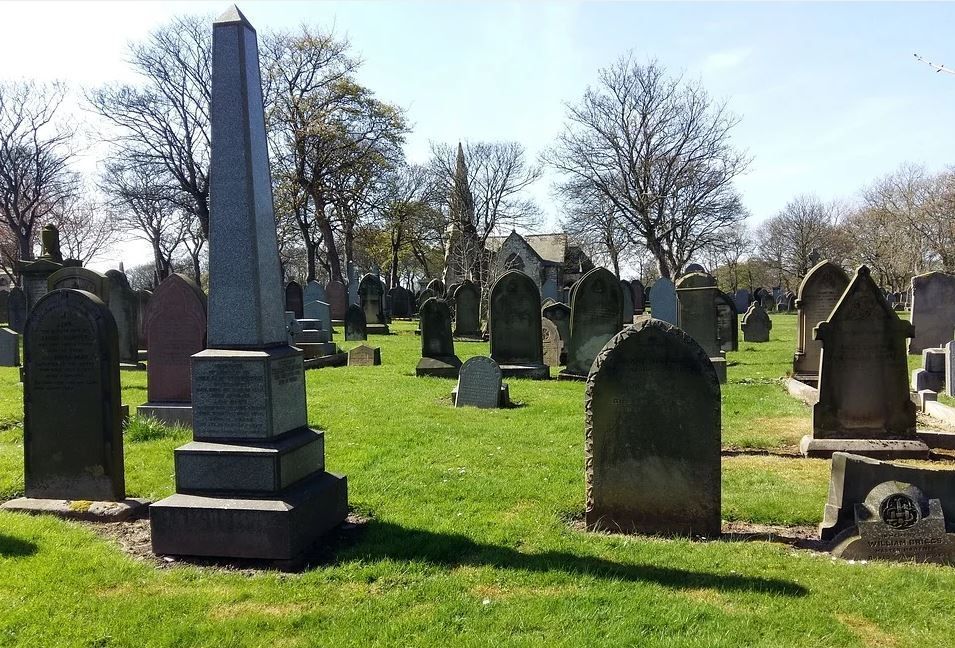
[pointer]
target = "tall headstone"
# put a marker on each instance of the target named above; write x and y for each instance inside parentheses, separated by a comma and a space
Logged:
(73, 427)
(652, 434)
(124, 305)
(553, 347)
(9, 348)
(596, 315)
(479, 384)
(252, 484)
(352, 283)
(176, 326)
(337, 299)
(4, 311)
(437, 343)
(864, 405)
(514, 322)
(295, 299)
(81, 279)
(467, 310)
(356, 328)
(933, 310)
(371, 293)
(17, 309)
(663, 300)
(142, 305)
(756, 324)
(818, 293)
(639, 293)
(35, 274)
(627, 295)
(727, 320)
(697, 315)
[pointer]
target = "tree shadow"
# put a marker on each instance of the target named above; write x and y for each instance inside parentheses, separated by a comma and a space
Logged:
(11, 547)
(382, 540)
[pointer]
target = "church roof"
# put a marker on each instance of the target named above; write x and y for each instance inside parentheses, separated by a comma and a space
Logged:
(549, 247)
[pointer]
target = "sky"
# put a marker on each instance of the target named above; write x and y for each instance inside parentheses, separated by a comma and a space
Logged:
(829, 94)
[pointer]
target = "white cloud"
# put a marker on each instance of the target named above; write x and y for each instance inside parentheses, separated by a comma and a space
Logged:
(726, 59)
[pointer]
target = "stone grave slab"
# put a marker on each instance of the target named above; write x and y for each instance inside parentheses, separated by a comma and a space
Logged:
(479, 383)
(364, 356)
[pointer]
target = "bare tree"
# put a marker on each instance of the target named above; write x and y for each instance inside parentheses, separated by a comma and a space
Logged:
(162, 124)
(86, 229)
(595, 223)
(35, 156)
(658, 148)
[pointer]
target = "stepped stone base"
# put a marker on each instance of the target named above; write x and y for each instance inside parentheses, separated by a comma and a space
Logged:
(168, 413)
(378, 329)
(283, 528)
(128, 509)
(874, 448)
(443, 367)
(529, 371)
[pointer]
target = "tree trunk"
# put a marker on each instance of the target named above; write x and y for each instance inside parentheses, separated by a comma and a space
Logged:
(309, 260)
(325, 227)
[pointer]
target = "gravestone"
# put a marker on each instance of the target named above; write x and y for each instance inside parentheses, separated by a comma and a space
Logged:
(932, 374)
(355, 325)
(176, 325)
(663, 300)
(73, 426)
(371, 293)
(364, 356)
(652, 435)
(337, 299)
(559, 314)
(142, 305)
(314, 292)
(35, 274)
(352, 274)
(479, 383)
(124, 305)
(252, 484)
(596, 310)
(727, 321)
(321, 311)
(294, 299)
(950, 369)
(9, 348)
(81, 279)
(639, 293)
(4, 301)
(437, 343)
(400, 302)
(436, 286)
(756, 324)
(697, 315)
(553, 347)
(627, 295)
(693, 268)
(897, 522)
(514, 323)
(933, 310)
(742, 300)
(467, 310)
(864, 405)
(818, 293)
(17, 309)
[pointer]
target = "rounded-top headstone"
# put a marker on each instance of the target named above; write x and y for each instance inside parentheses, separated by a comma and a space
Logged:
(355, 324)
(436, 286)
(596, 315)
(479, 383)
(515, 320)
(176, 325)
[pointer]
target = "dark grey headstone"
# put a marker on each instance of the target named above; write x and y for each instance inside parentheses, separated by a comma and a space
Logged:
(356, 328)
(479, 383)
(933, 310)
(295, 299)
(663, 300)
(4, 301)
(467, 310)
(694, 267)
(337, 299)
(9, 348)
(595, 316)
(73, 427)
(437, 343)
(741, 299)
(436, 286)
(142, 306)
(514, 321)
(17, 307)
(371, 293)
(756, 324)
(639, 294)
(400, 302)
(652, 430)
(627, 295)
(696, 297)
(124, 305)
(727, 322)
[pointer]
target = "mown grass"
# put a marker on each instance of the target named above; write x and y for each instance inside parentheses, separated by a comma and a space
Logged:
(471, 538)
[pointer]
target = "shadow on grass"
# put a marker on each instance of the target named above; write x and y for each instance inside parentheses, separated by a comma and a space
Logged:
(11, 547)
(382, 540)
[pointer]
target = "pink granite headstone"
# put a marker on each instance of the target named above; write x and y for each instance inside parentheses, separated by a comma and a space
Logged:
(176, 329)
(337, 299)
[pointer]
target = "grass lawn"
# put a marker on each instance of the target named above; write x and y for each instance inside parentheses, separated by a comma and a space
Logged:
(471, 538)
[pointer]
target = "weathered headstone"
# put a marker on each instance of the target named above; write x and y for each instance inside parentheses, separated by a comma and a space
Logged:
(9, 348)
(639, 293)
(356, 327)
(727, 322)
(514, 322)
(337, 299)
(35, 273)
(124, 305)
(295, 299)
(142, 305)
(364, 356)
(697, 315)
(371, 293)
(652, 444)
(317, 310)
(742, 300)
(467, 310)
(314, 292)
(553, 346)
(253, 483)
(559, 314)
(596, 315)
(176, 326)
(437, 343)
(81, 279)
(436, 286)
(353, 280)
(933, 310)
(756, 324)
(479, 383)
(17, 309)
(400, 302)
(819, 291)
(627, 295)
(864, 405)
(663, 300)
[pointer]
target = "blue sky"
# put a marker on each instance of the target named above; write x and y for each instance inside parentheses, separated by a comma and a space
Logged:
(829, 94)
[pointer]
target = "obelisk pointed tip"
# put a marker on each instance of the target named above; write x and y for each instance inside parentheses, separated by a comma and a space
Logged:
(233, 16)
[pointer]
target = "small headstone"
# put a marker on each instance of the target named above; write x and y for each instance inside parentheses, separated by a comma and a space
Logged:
(364, 356)
(9, 348)
(337, 299)
(437, 343)
(627, 295)
(864, 405)
(479, 383)
(467, 310)
(756, 324)
(663, 300)
(932, 374)
(818, 294)
(294, 299)
(639, 293)
(933, 310)
(124, 305)
(17, 307)
(552, 344)
(727, 321)
(355, 326)
(652, 411)
(371, 293)
(514, 323)
(595, 316)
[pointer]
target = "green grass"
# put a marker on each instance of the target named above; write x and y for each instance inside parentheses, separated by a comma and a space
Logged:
(471, 538)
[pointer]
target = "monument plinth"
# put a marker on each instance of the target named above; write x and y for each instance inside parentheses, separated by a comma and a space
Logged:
(252, 484)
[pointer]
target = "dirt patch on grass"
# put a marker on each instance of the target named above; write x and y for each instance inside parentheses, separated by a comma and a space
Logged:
(256, 608)
(868, 632)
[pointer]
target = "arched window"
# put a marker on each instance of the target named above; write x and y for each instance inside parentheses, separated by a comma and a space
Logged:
(514, 262)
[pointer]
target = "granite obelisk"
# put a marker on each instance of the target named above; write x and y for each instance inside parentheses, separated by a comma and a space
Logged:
(252, 484)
